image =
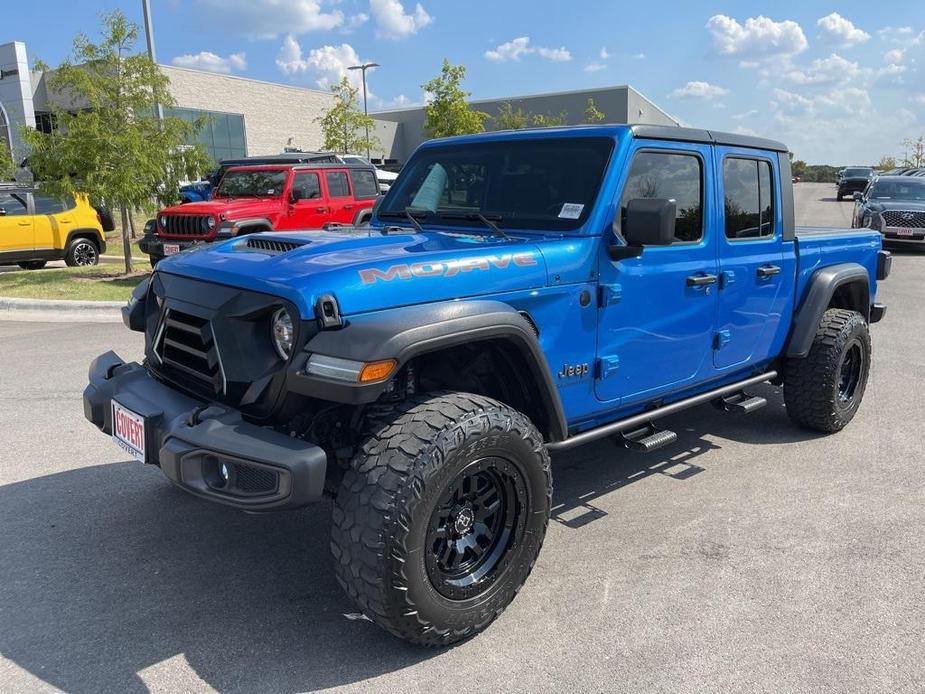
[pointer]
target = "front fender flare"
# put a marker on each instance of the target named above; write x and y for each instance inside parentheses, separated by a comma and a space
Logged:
(822, 287)
(404, 333)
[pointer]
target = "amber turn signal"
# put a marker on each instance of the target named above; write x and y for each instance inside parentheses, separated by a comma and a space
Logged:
(376, 370)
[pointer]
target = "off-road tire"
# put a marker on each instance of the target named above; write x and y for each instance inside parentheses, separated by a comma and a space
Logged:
(33, 264)
(82, 252)
(413, 453)
(839, 197)
(814, 386)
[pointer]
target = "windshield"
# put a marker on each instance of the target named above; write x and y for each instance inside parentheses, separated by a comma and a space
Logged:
(898, 190)
(857, 173)
(544, 184)
(252, 184)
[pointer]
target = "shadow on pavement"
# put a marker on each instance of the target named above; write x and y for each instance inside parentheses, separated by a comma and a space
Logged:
(107, 571)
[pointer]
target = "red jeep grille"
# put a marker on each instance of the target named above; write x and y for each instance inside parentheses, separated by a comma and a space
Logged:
(184, 225)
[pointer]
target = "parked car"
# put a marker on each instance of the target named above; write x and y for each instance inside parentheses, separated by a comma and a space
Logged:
(528, 291)
(894, 206)
(274, 197)
(36, 228)
(854, 179)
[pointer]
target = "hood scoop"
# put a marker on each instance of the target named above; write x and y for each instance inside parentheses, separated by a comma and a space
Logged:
(268, 246)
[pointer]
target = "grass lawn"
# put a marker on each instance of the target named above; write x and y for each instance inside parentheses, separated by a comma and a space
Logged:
(97, 283)
(114, 244)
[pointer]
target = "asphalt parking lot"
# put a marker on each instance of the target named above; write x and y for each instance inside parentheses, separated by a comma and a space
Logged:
(749, 556)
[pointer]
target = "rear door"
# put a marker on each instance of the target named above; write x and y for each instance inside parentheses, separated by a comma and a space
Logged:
(310, 211)
(365, 188)
(752, 294)
(17, 233)
(340, 196)
(54, 218)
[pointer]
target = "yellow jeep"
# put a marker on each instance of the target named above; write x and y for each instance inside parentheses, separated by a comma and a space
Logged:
(36, 228)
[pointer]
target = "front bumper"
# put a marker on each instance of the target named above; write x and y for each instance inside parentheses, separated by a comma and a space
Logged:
(193, 441)
(154, 245)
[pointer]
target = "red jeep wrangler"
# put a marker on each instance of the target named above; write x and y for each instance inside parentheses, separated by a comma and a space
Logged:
(266, 198)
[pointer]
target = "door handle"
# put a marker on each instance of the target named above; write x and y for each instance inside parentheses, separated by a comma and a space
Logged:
(701, 280)
(768, 271)
(321, 209)
(348, 207)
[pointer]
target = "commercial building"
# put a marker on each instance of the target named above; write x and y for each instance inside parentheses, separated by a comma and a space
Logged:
(401, 130)
(247, 117)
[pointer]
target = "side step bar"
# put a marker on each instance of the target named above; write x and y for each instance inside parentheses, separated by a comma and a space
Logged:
(647, 438)
(643, 418)
(740, 403)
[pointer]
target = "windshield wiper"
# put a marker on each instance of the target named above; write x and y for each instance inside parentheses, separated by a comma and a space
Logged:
(408, 213)
(495, 229)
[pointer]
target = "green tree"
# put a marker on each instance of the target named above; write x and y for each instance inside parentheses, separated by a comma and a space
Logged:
(798, 168)
(546, 120)
(343, 127)
(592, 115)
(6, 163)
(109, 143)
(886, 163)
(448, 113)
(509, 118)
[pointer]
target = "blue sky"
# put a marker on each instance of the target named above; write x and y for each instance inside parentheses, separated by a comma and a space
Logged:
(839, 82)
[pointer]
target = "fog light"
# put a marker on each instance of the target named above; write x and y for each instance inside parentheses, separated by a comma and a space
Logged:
(224, 471)
(281, 327)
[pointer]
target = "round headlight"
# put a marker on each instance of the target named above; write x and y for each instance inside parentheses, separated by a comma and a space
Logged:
(281, 327)
(162, 220)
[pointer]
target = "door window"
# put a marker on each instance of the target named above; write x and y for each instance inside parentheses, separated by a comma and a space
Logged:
(748, 202)
(672, 176)
(48, 205)
(309, 185)
(337, 184)
(13, 205)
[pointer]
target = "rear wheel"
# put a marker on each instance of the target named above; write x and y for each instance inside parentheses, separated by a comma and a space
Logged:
(824, 390)
(440, 518)
(81, 252)
(33, 264)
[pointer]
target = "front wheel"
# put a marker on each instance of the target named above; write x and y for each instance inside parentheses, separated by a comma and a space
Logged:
(81, 253)
(440, 518)
(823, 391)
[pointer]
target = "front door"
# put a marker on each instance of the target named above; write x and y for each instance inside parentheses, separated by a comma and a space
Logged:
(658, 311)
(309, 211)
(340, 197)
(17, 233)
(752, 269)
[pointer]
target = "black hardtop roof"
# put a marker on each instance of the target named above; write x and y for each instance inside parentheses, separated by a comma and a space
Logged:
(710, 137)
(282, 166)
(285, 158)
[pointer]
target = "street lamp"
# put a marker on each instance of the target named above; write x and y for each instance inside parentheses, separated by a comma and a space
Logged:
(364, 67)
(149, 37)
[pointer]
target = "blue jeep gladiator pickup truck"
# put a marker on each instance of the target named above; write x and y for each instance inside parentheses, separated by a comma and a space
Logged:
(518, 293)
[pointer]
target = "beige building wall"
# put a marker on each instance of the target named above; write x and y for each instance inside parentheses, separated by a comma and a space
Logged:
(273, 113)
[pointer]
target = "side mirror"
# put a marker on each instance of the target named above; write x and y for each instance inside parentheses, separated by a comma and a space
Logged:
(295, 195)
(649, 222)
(857, 197)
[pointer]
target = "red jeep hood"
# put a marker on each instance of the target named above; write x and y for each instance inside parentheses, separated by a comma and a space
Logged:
(231, 208)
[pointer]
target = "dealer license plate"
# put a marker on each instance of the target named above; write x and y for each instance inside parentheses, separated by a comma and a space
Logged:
(128, 431)
(171, 248)
(905, 232)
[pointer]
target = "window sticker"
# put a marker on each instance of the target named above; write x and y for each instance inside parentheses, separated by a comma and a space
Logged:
(571, 210)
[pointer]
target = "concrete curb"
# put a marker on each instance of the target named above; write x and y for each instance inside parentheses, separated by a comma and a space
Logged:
(59, 311)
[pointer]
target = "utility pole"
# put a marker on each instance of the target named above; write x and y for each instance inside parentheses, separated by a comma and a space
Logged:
(149, 36)
(364, 67)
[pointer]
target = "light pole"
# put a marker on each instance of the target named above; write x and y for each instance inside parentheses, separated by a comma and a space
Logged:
(364, 67)
(149, 36)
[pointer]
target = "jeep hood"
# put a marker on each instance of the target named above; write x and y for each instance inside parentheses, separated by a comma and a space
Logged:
(231, 208)
(364, 270)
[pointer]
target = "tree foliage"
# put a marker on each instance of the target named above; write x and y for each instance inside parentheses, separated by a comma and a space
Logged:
(886, 163)
(547, 120)
(914, 154)
(7, 169)
(798, 167)
(592, 114)
(509, 118)
(344, 126)
(448, 113)
(109, 143)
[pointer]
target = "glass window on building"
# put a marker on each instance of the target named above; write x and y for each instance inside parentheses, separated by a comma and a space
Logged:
(222, 135)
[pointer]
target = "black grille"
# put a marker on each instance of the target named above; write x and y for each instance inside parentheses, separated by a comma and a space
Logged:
(185, 225)
(253, 480)
(272, 245)
(188, 345)
(905, 219)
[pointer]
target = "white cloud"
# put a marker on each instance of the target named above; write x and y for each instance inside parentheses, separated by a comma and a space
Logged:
(833, 69)
(510, 50)
(789, 101)
(392, 22)
(837, 29)
(354, 22)
(604, 55)
(699, 90)
(919, 99)
(327, 65)
(638, 56)
(895, 55)
(594, 67)
(747, 114)
(515, 49)
(210, 62)
(758, 37)
(891, 73)
(269, 18)
(742, 130)
(556, 55)
(850, 100)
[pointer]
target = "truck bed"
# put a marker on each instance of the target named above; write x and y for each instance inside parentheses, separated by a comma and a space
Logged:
(822, 246)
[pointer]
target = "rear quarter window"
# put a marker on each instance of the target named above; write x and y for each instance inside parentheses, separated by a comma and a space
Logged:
(48, 205)
(364, 183)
